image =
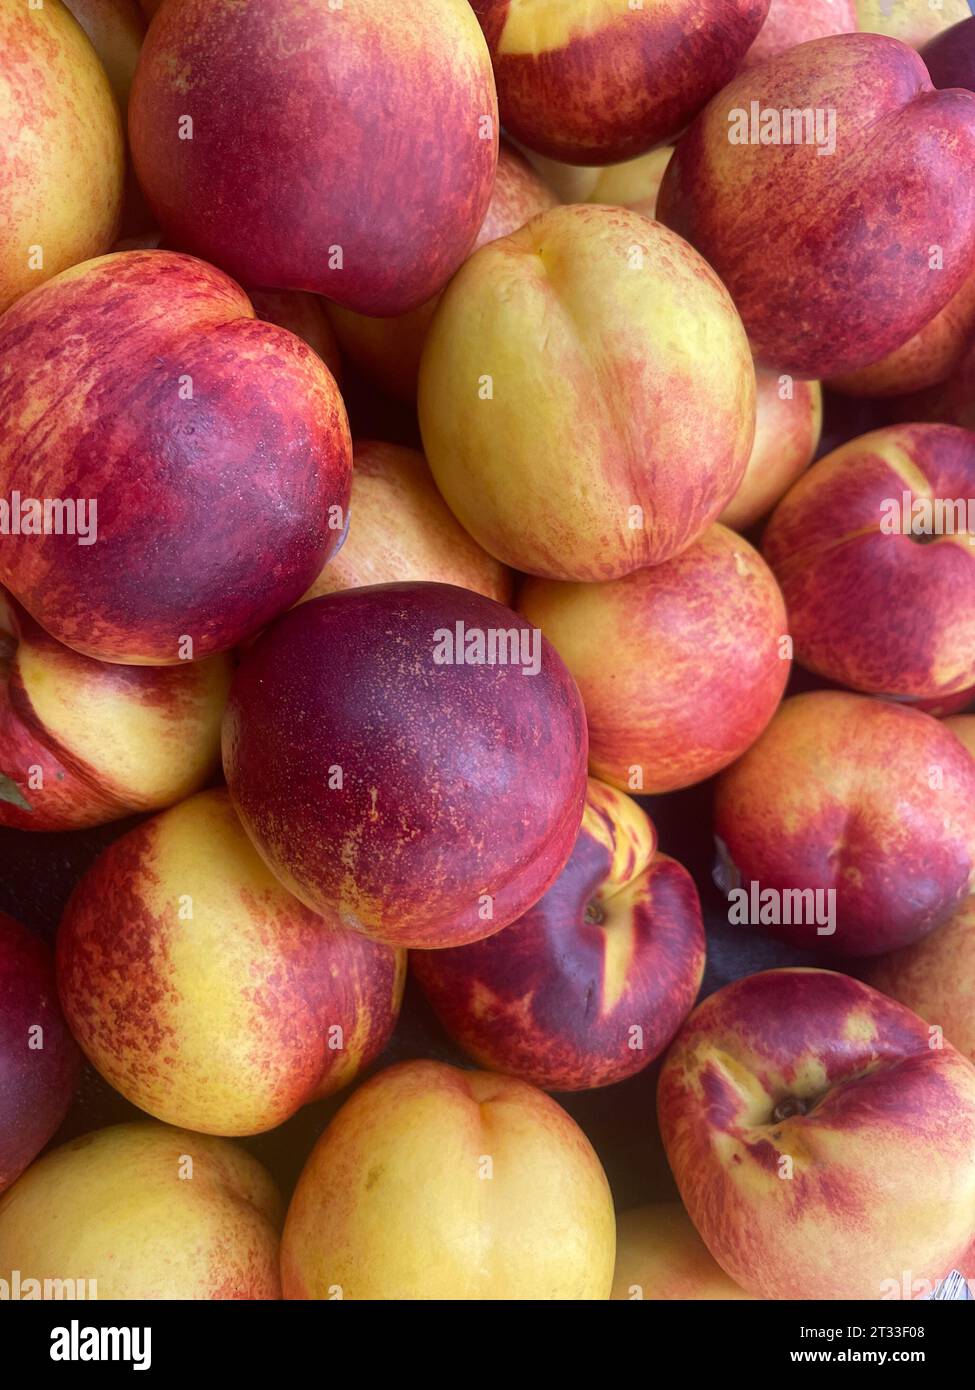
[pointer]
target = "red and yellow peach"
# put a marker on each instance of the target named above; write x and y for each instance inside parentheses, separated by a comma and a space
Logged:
(260, 145)
(795, 213)
(821, 1145)
(868, 799)
(659, 1255)
(587, 397)
(62, 161)
(207, 994)
(865, 521)
(401, 529)
(83, 742)
(596, 83)
(711, 620)
(788, 425)
(214, 447)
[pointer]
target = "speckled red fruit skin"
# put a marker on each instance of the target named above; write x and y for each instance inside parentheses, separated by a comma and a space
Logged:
(368, 131)
(214, 445)
(428, 805)
(36, 1083)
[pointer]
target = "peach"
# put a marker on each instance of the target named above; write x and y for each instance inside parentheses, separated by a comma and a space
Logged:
(593, 981)
(915, 22)
(596, 83)
(401, 528)
(586, 395)
(409, 759)
(788, 425)
(83, 742)
(797, 21)
(61, 156)
(436, 1183)
(821, 1145)
(203, 991)
(800, 227)
(208, 453)
(142, 1211)
(680, 666)
(39, 1060)
(304, 145)
(659, 1255)
(870, 800)
(853, 525)
(389, 350)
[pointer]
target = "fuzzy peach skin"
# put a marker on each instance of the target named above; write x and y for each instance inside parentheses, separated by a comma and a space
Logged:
(389, 350)
(709, 621)
(147, 1212)
(587, 397)
(910, 632)
(593, 981)
(912, 21)
(788, 425)
(659, 1255)
(924, 360)
(803, 239)
(820, 1144)
(205, 992)
(597, 81)
(403, 786)
(345, 149)
(215, 447)
(401, 528)
(791, 22)
(39, 1059)
(436, 1183)
(936, 978)
(304, 315)
(116, 29)
(62, 162)
(871, 799)
(83, 742)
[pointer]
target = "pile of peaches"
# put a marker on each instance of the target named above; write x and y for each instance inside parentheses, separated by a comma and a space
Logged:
(392, 694)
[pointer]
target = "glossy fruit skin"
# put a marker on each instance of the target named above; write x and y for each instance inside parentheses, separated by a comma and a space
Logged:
(391, 1202)
(424, 802)
(138, 980)
(152, 364)
(910, 633)
(802, 239)
(590, 985)
(62, 159)
(85, 742)
(821, 1144)
(142, 1211)
(866, 798)
(602, 453)
(601, 83)
(38, 1069)
(710, 619)
(299, 175)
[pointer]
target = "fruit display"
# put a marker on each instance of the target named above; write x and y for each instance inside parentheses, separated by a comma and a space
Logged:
(487, 666)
